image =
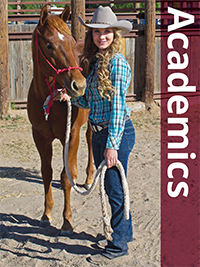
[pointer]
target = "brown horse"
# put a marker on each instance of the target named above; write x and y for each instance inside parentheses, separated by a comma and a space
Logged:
(54, 59)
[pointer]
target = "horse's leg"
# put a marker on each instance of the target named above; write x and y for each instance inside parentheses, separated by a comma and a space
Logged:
(45, 151)
(90, 167)
(66, 185)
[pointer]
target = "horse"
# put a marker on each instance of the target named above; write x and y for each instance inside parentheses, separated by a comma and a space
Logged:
(55, 65)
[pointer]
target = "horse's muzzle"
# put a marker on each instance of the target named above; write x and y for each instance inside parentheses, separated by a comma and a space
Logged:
(78, 88)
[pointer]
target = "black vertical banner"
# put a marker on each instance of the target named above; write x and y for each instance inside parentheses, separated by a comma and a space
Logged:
(180, 133)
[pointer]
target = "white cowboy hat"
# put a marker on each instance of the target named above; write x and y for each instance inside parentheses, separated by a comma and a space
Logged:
(104, 18)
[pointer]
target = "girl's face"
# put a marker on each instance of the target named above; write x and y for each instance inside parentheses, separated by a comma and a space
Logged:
(103, 38)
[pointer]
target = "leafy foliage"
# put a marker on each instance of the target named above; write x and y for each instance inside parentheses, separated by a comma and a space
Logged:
(24, 6)
(32, 7)
(124, 6)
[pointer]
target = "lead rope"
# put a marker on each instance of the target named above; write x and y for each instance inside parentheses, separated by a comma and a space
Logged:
(100, 173)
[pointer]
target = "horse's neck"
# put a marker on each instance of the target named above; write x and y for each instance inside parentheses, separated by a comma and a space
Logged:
(40, 84)
(41, 88)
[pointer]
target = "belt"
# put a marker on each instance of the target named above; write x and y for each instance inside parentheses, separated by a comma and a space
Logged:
(98, 127)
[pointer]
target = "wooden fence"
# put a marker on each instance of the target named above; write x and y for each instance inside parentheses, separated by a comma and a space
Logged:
(20, 64)
(20, 56)
(21, 7)
(21, 67)
(20, 10)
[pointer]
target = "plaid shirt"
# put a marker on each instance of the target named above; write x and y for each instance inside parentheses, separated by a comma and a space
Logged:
(101, 110)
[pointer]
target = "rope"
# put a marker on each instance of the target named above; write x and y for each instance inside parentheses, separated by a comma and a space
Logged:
(99, 174)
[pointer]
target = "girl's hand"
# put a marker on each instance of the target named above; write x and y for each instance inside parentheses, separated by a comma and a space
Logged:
(62, 96)
(111, 157)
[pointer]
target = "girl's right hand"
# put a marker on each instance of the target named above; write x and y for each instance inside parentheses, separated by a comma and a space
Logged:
(111, 157)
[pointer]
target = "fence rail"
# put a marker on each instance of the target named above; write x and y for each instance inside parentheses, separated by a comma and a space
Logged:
(20, 12)
(20, 7)
(132, 10)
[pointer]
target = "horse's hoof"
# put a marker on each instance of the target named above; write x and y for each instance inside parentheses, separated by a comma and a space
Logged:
(67, 233)
(45, 223)
(87, 186)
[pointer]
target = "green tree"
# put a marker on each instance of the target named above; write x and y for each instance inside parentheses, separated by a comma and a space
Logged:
(124, 6)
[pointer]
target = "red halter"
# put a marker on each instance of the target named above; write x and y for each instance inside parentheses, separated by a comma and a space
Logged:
(58, 71)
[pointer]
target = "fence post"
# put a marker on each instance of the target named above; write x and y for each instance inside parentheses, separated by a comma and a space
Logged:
(77, 9)
(149, 56)
(4, 71)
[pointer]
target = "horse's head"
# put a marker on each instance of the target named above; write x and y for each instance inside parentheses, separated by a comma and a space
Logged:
(56, 47)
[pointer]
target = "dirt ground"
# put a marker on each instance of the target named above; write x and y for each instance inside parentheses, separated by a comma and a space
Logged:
(25, 243)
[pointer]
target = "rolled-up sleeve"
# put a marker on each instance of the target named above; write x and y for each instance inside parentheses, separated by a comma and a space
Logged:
(120, 75)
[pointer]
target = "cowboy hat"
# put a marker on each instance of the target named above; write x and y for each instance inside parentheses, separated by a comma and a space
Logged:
(104, 18)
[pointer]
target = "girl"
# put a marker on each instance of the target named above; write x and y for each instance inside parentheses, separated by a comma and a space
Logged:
(108, 77)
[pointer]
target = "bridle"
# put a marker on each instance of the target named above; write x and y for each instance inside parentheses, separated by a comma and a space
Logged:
(58, 71)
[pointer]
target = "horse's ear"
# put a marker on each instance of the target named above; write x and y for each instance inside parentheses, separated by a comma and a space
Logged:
(43, 15)
(65, 14)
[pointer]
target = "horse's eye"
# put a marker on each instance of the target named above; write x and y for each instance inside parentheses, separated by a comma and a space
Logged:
(50, 46)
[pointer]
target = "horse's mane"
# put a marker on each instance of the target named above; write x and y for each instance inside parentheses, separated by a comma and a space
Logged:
(55, 22)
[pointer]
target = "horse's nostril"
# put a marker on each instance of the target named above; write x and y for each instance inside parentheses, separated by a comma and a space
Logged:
(75, 87)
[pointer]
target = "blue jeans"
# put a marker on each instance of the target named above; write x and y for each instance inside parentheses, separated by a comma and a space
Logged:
(122, 229)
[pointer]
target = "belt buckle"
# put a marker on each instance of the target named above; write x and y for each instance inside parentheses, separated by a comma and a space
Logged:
(99, 128)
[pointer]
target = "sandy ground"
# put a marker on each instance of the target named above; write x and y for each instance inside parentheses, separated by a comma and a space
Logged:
(25, 243)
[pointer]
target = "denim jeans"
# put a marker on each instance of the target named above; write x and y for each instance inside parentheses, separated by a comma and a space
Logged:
(122, 229)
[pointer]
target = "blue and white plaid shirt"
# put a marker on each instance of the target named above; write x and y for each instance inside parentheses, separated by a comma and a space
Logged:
(101, 110)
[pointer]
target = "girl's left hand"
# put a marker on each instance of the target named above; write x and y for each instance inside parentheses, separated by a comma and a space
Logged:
(111, 157)
(62, 96)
